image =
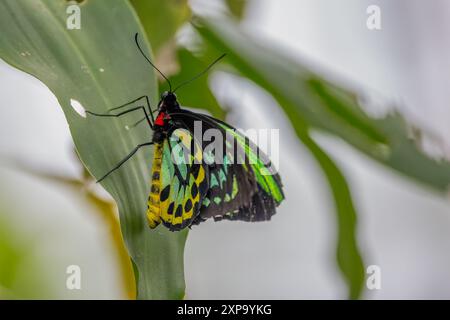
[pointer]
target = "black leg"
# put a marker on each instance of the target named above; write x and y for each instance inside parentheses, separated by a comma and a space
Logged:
(122, 113)
(139, 121)
(125, 159)
(133, 101)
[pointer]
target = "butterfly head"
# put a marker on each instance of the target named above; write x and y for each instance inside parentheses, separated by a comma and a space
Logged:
(168, 102)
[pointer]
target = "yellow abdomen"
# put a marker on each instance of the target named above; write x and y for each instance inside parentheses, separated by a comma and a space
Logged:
(153, 207)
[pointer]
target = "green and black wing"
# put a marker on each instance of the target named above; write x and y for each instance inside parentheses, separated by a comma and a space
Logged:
(243, 186)
(179, 181)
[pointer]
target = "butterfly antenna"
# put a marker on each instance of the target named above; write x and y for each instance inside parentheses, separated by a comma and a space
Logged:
(146, 58)
(201, 73)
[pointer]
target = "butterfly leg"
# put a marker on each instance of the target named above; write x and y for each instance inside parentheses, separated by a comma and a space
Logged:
(123, 113)
(125, 159)
(147, 101)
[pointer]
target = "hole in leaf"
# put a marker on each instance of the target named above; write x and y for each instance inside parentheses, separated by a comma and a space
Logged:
(76, 105)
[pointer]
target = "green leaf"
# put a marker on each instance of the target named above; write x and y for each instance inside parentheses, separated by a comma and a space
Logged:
(197, 93)
(313, 102)
(347, 251)
(161, 19)
(237, 7)
(100, 67)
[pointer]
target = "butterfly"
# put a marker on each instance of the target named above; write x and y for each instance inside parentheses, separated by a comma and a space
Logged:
(191, 183)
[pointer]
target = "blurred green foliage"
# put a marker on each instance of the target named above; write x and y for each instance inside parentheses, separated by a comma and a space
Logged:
(156, 17)
(162, 19)
(312, 102)
(237, 7)
(197, 94)
(22, 273)
(82, 191)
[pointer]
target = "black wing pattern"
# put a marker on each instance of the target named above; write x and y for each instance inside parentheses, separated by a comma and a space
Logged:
(242, 185)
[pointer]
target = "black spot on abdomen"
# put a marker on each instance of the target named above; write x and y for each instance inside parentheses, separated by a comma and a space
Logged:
(156, 175)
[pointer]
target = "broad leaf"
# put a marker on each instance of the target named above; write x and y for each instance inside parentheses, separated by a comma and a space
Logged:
(100, 67)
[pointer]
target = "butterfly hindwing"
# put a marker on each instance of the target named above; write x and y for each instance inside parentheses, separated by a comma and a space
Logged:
(258, 187)
(239, 189)
(181, 183)
(226, 196)
(266, 176)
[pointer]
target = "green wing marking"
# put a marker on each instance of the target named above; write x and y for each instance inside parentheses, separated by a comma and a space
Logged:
(248, 190)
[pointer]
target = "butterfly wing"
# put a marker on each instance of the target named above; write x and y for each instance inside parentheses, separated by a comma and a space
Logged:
(239, 189)
(179, 184)
(253, 177)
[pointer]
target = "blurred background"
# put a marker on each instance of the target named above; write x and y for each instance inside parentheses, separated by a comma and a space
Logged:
(47, 225)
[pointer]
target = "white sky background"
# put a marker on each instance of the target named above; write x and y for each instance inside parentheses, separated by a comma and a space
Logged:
(403, 228)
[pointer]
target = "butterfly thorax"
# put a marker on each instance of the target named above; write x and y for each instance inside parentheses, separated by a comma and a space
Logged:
(162, 124)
